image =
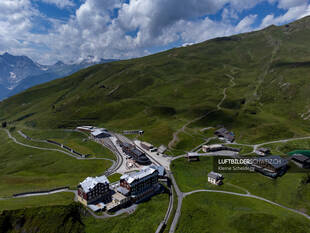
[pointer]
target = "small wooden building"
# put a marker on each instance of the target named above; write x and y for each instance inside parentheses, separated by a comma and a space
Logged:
(272, 166)
(192, 156)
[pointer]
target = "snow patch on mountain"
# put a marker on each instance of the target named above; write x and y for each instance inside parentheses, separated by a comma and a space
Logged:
(17, 73)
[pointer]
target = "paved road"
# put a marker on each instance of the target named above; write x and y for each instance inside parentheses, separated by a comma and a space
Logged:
(179, 206)
(130, 210)
(248, 195)
(251, 196)
(197, 148)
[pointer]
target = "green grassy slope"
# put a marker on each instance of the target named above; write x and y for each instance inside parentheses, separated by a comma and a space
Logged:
(72, 218)
(291, 190)
(160, 93)
(145, 219)
(214, 212)
(25, 169)
(75, 140)
(36, 201)
(61, 219)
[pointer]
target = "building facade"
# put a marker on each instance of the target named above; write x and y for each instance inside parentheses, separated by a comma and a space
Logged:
(223, 133)
(272, 166)
(192, 156)
(301, 160)
(140, 184)
(146, 146)
(93, 190)
(215, 178)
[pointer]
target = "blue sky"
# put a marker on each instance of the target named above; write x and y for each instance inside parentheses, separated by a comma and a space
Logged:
(71, 30)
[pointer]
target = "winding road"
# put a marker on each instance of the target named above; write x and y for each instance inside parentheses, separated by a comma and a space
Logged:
(248, 195)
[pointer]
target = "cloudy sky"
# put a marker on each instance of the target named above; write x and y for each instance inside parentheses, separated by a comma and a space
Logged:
(69, 30)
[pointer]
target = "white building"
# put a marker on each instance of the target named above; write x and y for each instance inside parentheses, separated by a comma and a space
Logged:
(94, 190)
(211, 148)
(100, 133)
(139, 184)
(215, 178)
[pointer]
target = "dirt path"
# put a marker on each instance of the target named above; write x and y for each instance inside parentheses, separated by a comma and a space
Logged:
(175, 138)
(276, 47)
(256, 146)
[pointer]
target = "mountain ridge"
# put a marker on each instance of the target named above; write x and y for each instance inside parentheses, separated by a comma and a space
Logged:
(17, 73)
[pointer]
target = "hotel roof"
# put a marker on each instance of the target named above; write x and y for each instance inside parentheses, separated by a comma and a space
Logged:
(90, 182)
(130, 178)
(214, 175)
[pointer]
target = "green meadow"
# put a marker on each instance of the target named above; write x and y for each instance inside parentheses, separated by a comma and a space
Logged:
(216, 213)
(25, 169)
(291, 190)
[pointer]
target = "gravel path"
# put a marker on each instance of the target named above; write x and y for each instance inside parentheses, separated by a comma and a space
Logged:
(211, 154)
(256, 146)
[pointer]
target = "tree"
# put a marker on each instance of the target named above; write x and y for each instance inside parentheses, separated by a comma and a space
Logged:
(4, 124)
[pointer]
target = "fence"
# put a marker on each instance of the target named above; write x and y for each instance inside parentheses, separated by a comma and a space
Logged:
(39, 192)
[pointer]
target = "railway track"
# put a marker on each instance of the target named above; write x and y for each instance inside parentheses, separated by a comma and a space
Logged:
(119, 158)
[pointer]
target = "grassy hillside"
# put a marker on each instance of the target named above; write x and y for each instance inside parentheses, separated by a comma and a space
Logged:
(72, 218)
(291, 190)
(62, 218)
(25, 169)
(36, 201)
(214, 212)
(162, 92)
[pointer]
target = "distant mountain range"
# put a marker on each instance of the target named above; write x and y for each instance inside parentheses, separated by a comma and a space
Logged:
(18, 73)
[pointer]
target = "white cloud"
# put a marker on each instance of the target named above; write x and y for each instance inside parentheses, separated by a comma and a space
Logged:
(287, 4)
(60, 3)
(140, 25)
(292, 14)
(207, 29)
(306, 12)
(15, 23)
(245, 24)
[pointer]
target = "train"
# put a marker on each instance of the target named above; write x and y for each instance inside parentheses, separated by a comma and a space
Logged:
(133, 152)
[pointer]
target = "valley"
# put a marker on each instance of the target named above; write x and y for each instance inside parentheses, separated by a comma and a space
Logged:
(246, 84)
